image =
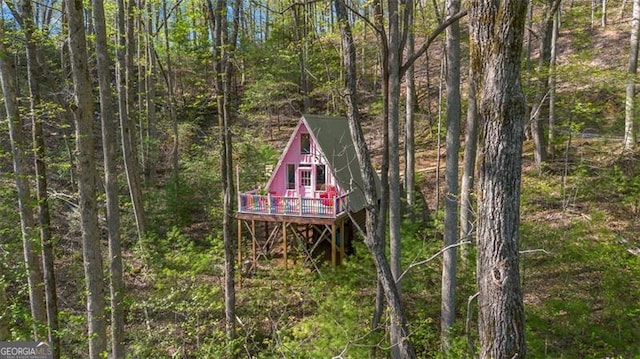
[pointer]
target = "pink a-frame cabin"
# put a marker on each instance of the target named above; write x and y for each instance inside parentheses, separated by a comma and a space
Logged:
(317, 183)
(317, 176)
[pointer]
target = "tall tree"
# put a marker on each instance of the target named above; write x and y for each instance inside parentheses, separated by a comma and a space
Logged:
(20, 169)
(109, 131)
(410, 104)
(375, 224)
(34, 75)
(86, 169)
(454, 112)
(225, 45)
(124, 74)
(551, 136)
(629, 117)
(497, 30)
(383, 196)
(393, 63)
(467, 201)
(540, 106)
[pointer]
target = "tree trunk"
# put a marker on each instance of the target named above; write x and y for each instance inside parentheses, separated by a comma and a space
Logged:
(541, 102)
(629, 118)
(451, 176)
(384, 191)
(126, 131)
(18, 147)
(395, 207)
(222, 53)
(86, 169)
(467, 202)
(44, 219)
(496, 47)
(409, 138)
(150, 84)
(109, 131)
(375, 231)
(551, 137)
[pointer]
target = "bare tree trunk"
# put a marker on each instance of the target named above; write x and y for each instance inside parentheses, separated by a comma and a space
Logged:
(20, 166)
(44, 219)
(541, 104)
(467, 202)
(375, 231)
(86, 167)
(109, 132)
(409, 140)
(150, 98)
(496, 47)
(395, 210)
(454, 113)
(126, 131)
(551, 137)
(394, 55)
(384, 170)
(629, 118)
(223, 50)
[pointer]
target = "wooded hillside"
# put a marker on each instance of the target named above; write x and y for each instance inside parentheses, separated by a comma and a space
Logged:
(504, 134)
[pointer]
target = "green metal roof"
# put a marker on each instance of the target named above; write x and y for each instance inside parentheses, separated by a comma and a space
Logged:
(332, 135)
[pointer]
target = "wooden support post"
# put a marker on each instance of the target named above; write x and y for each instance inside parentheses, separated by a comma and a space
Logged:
(266, 230)
(240, 242)
(333, 244)
(240, 250)
(253, 243)
(284, 242)
(342, 240)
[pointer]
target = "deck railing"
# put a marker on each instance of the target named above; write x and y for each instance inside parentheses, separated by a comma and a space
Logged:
(252, 202)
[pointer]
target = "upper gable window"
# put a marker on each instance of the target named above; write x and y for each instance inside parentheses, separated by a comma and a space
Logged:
(305, 144)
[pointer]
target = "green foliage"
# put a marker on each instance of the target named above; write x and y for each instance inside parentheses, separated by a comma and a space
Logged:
(580, 294)
(183, 298)
(627, 186)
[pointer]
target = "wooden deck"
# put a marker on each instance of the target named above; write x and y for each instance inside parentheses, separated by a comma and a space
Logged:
(277, 208)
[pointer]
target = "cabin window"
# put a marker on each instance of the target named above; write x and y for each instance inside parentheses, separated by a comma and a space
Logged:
(305, 178)
(291, 176)
(305, 144)
(321, 177)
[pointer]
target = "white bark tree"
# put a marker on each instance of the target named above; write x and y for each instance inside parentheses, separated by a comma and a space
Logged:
(629, 113)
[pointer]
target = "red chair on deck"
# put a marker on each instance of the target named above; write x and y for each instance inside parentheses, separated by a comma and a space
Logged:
(328, 196)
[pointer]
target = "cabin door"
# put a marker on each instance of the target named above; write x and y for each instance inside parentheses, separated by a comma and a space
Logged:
(306, 184)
